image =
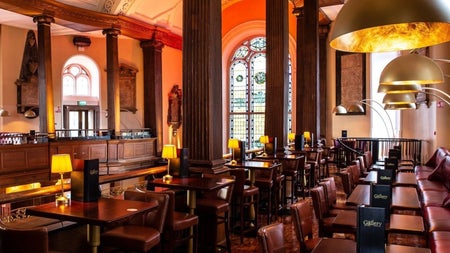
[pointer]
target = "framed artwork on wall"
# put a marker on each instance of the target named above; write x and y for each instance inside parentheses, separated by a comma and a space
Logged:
(350, 80)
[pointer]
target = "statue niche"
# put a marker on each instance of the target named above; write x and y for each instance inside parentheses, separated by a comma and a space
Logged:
(27, 83)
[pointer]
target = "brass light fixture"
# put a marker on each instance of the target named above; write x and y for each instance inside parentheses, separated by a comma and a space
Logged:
(400, 106)
(411, 70)
(390, 25)
(4, 113)
(233, 144)
(264, 139)
(61, 164)
(169, 151)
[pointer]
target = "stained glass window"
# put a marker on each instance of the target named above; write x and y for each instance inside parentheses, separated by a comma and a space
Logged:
(247, 79)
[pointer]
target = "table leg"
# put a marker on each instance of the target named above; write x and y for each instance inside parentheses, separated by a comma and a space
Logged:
(252, 183)
(93, 234)
(192, 203)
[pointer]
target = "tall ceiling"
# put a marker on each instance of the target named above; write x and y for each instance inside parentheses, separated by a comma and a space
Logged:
(166, 14)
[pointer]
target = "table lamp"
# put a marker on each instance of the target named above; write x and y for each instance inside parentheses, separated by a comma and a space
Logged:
(291, 137)
(61, 163)
(307, 136)
(169, 151)
(264, 139)
(233, 144)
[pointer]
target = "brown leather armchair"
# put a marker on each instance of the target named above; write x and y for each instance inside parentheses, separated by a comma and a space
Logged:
(271, 238)
(23, 240)
(142, 232)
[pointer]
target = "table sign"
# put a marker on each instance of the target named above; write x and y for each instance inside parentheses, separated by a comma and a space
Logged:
(381, 196)
(370, 232)
(385, 176)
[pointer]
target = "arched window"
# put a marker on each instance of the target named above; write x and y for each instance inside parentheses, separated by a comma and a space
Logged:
(80, 97)
(247, 82)
(76, 81)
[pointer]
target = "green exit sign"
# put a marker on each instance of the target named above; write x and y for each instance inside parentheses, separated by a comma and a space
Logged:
(81, 103)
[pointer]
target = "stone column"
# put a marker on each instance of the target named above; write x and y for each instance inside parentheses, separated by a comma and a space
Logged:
(45, 80)
(277, 71)
(153, 117)
(202, 84)
(112, 72)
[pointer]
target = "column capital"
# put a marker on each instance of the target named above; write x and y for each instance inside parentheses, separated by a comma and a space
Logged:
(44, 19)
(299, 12)
(114, 31)
(156, 44)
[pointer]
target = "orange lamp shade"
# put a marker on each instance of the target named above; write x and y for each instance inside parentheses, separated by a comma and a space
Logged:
(307, 136)
(264, 139)
(233, 143)
(291, 136)
(169, 151)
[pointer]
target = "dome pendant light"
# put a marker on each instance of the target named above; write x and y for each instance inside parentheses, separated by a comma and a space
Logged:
(390, 25)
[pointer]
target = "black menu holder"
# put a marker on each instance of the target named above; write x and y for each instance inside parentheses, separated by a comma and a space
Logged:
(394, 153)
(84, 180)
(179, 167)
(239, 153)
(391, 164)
(385, 176)
(381, 196)
(370, 232)
(299, 142)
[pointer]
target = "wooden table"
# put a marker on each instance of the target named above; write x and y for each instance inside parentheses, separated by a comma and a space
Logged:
(192, 185)
(334, 245)
(94, 214)
(405, 198)
(360, 195)
(406, 179)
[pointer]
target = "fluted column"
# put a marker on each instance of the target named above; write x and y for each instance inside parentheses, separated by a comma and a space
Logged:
(323, 43)
(202, 83)
(308, 93)
(152, 51)
(113, 75)
(277, 70)
(45, 80)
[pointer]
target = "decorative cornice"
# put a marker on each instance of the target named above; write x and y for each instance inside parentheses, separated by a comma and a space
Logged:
(84, 20)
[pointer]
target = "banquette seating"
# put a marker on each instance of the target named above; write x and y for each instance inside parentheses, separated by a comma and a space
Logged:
(434, 189)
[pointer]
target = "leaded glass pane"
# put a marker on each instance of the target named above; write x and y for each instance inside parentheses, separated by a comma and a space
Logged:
(257, 129)
(68, 85)
(238, 87)
(241, 53)
(82, 86)
(258, 87)
(239, 126)
(258, 44)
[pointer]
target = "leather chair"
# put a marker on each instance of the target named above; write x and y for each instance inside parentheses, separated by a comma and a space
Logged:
(216, 204)
(327, 224)
(141, 232)
(23, 240)
(244, 198)
(302, 218)
(291, 171)
(271, 238)
(177, 227)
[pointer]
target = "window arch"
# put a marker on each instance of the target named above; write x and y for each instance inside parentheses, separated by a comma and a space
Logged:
(247, 92)
(76, 81)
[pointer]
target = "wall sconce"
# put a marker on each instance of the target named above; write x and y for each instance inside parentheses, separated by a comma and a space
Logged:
(386, 25)
(61, 164)
(233, 144)
(81, 42)
(169, 151)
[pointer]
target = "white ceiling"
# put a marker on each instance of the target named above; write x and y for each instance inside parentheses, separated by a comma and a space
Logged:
(163, 13)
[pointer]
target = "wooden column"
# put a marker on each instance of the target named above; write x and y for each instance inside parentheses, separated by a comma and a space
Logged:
(202, 84)
(323, 43)
(277, 71)
(308, 93)
(45, 80)
(112, 72)
(152, 50)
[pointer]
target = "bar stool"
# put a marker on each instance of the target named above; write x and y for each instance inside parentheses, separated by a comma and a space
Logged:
(245, 197)
(291, 171)
(217, 204)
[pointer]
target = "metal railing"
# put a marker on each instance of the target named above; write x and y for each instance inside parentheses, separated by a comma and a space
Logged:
(411, 149)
